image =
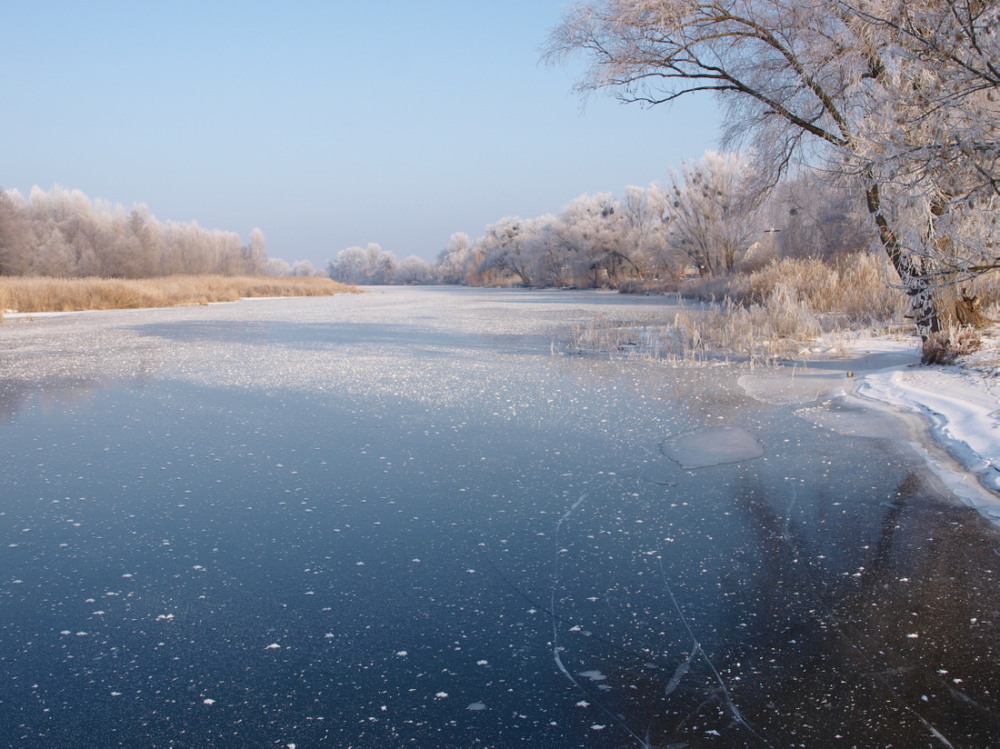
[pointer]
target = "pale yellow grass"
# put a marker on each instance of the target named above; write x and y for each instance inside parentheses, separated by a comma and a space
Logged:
(766, 315)
(41, 294)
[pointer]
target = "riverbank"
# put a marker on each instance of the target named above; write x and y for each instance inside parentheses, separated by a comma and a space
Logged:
(959, 404)
(20, 294)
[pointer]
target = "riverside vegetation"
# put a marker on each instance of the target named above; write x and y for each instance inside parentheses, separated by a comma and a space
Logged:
(781, 309)
(44, 294)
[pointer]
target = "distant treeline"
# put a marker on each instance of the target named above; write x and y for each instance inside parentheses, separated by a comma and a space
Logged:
(63, 233)
(712, 219)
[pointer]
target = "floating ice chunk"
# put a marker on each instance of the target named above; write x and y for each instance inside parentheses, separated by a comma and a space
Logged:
(593, 675)
(208, 701)
(273, 646)
(712, 447)
(598, 727)
(476, 706)
(402, 653)
(441, 695)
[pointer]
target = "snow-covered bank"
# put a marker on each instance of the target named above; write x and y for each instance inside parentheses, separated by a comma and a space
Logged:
(961, 404)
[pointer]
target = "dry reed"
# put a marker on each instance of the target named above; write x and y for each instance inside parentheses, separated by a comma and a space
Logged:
(768, 314)
(43, 294)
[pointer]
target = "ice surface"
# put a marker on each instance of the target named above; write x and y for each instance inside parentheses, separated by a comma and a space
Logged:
(842, 418)
(521, 527)
(711, 447)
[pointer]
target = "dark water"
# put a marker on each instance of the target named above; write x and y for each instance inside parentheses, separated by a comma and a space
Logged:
(401, 520)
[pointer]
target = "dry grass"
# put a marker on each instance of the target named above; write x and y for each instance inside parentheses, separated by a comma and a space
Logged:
(763, 333)
(31, 294)
(947, 346)
(857, 289)
(769, 314)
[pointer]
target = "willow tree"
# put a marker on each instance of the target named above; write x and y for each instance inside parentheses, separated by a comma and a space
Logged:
(830, 80)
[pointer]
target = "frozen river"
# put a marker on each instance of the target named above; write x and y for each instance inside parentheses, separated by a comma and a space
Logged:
(405, 518)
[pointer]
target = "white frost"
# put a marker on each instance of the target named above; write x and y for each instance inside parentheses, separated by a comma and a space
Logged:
(963, 408)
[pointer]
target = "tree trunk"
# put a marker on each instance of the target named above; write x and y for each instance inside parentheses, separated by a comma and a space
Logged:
(922, 303)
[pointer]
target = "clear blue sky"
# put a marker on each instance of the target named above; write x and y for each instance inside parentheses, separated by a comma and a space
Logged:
(326, 124)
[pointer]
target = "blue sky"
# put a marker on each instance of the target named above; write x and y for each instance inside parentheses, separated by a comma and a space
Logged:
(326, 124)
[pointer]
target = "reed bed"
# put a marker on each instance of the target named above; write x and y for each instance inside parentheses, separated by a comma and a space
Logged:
(43, 294)
(767, 315)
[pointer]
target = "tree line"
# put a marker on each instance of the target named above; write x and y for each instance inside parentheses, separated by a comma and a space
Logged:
(710, 219)
(63, 233)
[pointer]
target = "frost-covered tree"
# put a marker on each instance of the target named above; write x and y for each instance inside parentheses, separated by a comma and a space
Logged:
(714, 217)
(809, 215)
(255, 253)
(505, 249)
(303, 268)
(275, 266)
(554, 248)
(455, 262)
(645, 217)
(62, 232)
(933, 137)
(599, 232)
(383, 265)
(412, 270)
(15, 235)
(363, 265)
(349, 266)
(815, 80)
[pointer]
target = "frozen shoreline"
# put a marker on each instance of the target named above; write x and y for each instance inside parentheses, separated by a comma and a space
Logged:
(959, 403)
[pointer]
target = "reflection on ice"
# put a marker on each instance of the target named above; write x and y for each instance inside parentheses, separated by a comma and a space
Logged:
(778, 388)
(712, 447)
(848, 420)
